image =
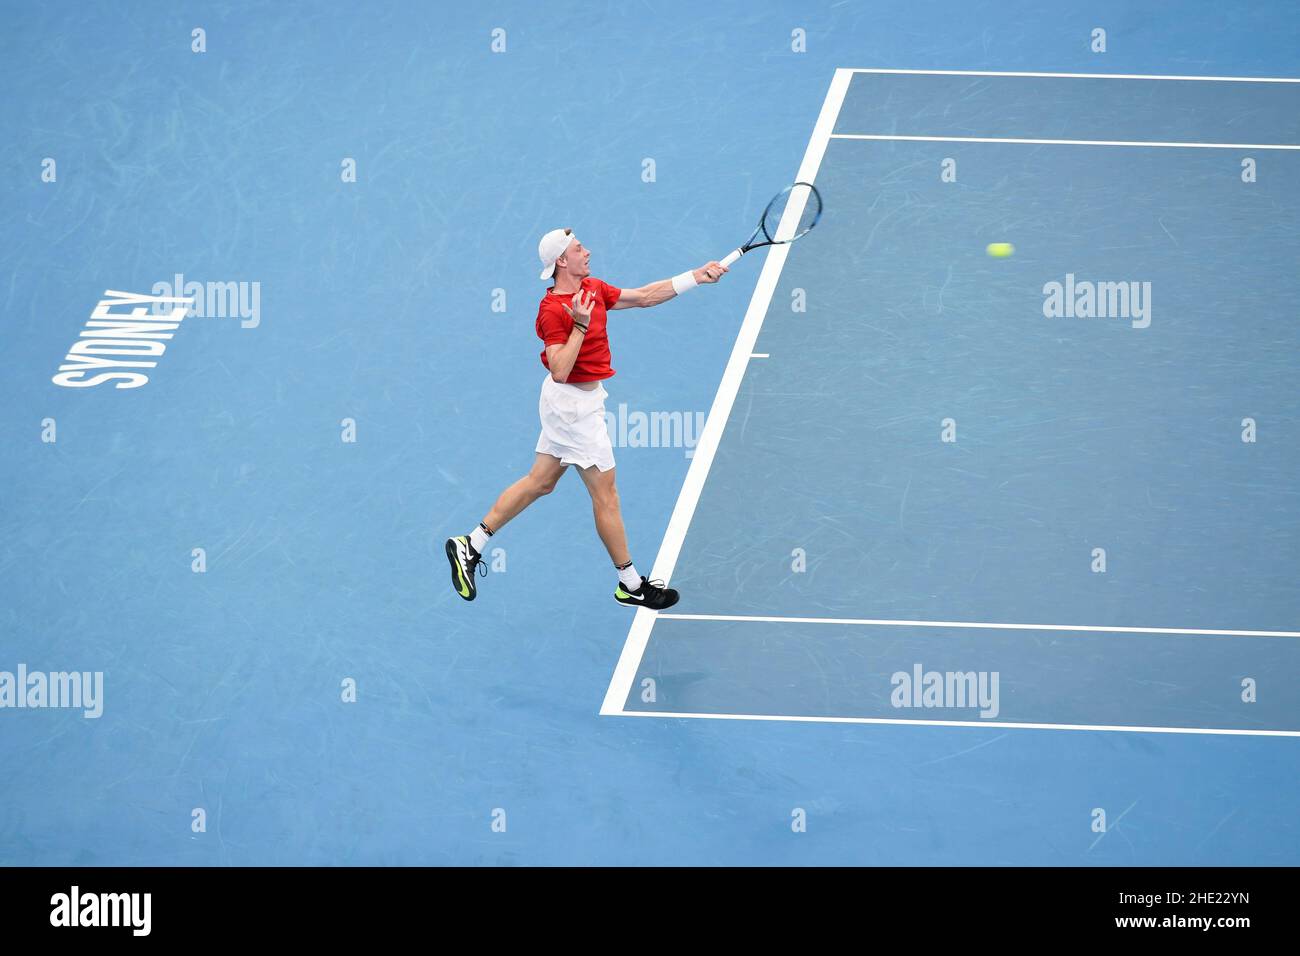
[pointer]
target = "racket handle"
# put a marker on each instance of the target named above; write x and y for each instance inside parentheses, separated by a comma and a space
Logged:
(732, 257)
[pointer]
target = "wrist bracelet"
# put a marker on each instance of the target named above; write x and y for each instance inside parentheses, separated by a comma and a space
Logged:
(683, 282)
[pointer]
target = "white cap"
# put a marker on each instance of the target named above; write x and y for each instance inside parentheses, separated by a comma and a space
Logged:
(552, 246)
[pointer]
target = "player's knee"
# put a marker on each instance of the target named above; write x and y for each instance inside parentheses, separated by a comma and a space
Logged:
(543, 486)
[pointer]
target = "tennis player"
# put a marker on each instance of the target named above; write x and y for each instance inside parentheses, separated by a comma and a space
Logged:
(571, 325)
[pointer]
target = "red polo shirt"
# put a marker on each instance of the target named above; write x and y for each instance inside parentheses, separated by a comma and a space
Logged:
(554, 326)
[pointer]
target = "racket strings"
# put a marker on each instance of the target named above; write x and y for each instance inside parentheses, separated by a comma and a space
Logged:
(793, 212)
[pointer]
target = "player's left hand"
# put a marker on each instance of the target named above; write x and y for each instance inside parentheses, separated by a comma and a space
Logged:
(710, 272)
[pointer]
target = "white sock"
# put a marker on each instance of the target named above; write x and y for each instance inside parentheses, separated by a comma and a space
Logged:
(478, 539)
(629, 578)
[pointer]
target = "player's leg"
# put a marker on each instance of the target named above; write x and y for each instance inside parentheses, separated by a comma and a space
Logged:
(607, 512)
(465, 552)
(539, 481)
(633, 590)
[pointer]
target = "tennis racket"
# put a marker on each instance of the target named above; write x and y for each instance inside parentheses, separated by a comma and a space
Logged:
(789, 216)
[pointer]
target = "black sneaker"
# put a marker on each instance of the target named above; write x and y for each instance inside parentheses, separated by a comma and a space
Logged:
(651, 594)
(464, 560)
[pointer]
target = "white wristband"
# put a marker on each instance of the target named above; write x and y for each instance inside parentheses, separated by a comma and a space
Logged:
(683, 282)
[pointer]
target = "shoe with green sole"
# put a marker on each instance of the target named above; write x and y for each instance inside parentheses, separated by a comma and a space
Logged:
(651, 594)
(464, 562)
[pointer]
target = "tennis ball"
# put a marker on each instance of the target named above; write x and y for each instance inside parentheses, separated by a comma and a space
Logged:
(1000, 250)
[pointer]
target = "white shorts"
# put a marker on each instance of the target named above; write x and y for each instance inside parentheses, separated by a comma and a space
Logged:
(573, 425)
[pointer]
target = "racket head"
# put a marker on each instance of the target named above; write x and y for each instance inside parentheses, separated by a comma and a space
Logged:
(791, 214)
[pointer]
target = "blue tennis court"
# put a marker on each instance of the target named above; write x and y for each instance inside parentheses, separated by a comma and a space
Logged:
(1045, 469)
(983, 560)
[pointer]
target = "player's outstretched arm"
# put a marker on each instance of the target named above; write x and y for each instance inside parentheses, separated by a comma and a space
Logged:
(662, 291)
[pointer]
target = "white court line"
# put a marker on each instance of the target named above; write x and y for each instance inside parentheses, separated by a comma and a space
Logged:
(987, 725)
(1089, 76)
(639, 634)
(882, 622)
(1059, 142)
(761, 355)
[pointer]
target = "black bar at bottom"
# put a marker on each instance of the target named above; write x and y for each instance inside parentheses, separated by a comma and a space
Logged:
(305, 905)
